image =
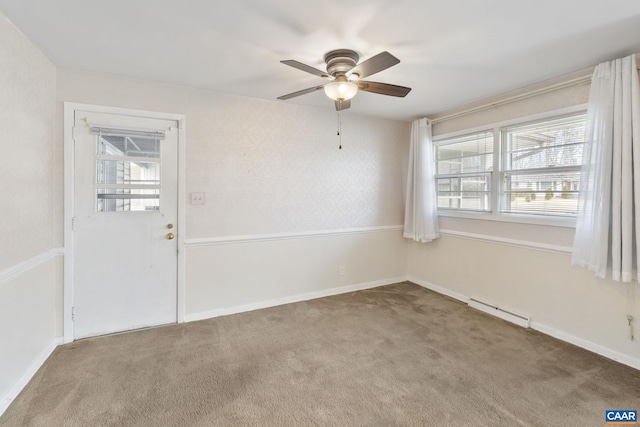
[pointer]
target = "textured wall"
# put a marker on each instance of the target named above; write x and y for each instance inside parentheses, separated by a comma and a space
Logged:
(269, 167)
(554, 100)
(30, 310)
(266, 166)
(27, 90)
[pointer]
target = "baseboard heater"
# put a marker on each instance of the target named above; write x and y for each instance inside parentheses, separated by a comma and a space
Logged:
(501, 312)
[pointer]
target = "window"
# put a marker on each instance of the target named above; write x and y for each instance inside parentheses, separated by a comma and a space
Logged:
(463, 168)
(539, 169)
(541, 166)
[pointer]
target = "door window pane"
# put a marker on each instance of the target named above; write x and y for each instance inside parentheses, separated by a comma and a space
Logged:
(127, 200)
(127, 173)
(128, 146)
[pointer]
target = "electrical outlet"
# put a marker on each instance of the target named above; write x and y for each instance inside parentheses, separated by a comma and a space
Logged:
(342, 270)
(197, 198)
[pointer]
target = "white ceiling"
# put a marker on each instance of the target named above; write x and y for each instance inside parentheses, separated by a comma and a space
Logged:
(451, 52)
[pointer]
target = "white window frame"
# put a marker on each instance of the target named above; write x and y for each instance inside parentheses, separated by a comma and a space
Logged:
(495, 214)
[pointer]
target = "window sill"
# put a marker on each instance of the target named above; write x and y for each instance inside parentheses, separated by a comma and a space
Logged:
(516, 218)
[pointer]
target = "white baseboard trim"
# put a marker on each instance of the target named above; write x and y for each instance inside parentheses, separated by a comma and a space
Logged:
(439, 289)
(209, 241)
(587, 345)
(562, 336)
(292, 299)
(25, 265)
(6, 400)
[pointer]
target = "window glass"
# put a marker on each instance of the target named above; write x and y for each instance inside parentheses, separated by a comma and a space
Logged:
(127, 200)
(463, 172)
(541, 166)
(128, 146)
(127, 173)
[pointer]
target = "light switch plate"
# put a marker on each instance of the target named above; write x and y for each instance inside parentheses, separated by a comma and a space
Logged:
(197, 198)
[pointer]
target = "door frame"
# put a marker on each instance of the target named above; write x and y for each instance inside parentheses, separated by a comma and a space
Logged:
(69, 204)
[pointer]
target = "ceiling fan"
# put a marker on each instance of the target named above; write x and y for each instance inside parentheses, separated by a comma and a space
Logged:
(345, 73)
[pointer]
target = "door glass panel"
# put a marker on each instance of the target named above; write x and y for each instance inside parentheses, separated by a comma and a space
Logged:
(127, 200)
(127, 173)
(128, 146)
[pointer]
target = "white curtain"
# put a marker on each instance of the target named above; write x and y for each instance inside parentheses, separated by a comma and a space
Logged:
(608, 226)
(421, 208)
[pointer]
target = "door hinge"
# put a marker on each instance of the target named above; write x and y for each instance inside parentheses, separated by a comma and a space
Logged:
(73, 313)
(73, 223)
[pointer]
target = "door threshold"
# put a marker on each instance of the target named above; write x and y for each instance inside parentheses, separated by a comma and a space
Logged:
(110, 334)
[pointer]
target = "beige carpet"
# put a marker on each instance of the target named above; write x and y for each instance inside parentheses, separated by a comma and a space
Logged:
(395, 355)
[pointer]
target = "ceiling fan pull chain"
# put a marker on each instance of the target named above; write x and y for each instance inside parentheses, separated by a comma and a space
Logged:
(340, 127)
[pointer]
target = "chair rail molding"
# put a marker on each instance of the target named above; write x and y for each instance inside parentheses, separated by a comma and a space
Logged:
(209, 241)
(11, 272)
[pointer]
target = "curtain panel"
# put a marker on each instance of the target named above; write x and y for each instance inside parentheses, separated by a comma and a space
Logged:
(421, 207)
(608, 223)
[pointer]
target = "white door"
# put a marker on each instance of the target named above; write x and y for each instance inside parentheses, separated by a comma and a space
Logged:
(124, 221)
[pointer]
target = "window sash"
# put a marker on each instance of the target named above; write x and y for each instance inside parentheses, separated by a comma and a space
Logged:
(468, 192)
(546, 191)
(556, 192)
(469, 189)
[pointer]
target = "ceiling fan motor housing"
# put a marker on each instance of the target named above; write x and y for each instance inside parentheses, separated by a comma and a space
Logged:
(340, 61)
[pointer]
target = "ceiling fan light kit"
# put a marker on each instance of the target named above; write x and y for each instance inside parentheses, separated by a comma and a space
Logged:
(344, 73)
(341, 89)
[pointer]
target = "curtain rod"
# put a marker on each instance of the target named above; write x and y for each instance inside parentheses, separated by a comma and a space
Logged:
(569, 83)
(108, 131)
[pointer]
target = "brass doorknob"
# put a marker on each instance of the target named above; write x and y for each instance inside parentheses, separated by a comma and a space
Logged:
(170, 236)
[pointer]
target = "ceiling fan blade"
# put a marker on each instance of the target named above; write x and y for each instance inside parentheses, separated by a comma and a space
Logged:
(301, 92)
(375, 64)
(343, 105)
(306, 68)
(384, 89)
